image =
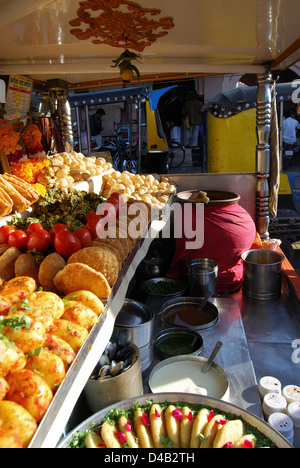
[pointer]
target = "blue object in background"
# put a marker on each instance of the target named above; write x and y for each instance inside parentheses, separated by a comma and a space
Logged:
(294, 180)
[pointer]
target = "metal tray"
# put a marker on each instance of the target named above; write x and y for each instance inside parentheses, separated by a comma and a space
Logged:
(222, 406)
(55, 420)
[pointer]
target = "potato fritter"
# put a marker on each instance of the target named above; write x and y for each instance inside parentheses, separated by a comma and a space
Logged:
(77, 276)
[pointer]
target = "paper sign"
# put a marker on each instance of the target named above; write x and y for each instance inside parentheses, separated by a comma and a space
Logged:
(18, 97)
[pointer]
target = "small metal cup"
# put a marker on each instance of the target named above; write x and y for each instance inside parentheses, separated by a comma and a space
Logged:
(203, 277)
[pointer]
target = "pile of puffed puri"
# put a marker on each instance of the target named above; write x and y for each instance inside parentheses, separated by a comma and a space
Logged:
(171, 425)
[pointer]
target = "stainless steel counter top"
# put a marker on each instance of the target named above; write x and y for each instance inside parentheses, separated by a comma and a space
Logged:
(272, 330)
(234, 355)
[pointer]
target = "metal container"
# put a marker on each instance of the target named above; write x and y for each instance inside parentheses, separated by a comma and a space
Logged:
(175, 341)
(262, 274)
(185, 374)
(182, 312)
(134, 324)
(219, 407)
(102, 393)
(178, 286)
(203, 276)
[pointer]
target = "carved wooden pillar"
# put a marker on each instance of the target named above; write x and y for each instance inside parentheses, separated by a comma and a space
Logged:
(263, 130)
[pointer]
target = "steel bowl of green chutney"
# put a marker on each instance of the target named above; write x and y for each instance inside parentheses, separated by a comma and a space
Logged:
(164, 287)
(177, 341)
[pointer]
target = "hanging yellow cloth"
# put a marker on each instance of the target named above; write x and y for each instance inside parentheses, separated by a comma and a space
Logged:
(274, 179)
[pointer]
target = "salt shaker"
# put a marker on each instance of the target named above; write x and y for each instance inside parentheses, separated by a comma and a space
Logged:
(291, 393)
(273, 403)
(283, 424)
(293, 412)
(269, 384)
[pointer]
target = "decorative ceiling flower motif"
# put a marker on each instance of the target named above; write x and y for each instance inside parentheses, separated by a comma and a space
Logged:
(119, 23)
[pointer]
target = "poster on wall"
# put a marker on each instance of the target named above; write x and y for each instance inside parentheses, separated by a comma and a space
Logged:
(18, 97)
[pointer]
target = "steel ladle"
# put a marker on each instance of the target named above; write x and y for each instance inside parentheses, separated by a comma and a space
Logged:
(212, 357)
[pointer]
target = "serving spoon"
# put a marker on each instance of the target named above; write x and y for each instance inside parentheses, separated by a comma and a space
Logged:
(212, 357)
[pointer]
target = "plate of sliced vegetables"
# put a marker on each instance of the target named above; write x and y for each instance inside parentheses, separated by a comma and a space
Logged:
(172, 421)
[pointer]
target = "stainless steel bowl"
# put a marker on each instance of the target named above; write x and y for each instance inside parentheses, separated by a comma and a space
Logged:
(175, 341)
(135, 324)
(182, 312)
(179, 286)
(212, 403)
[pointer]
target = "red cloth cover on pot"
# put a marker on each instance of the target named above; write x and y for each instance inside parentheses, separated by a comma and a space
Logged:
(229, 231)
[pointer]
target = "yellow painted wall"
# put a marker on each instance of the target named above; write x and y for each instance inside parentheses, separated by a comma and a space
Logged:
(231, 145)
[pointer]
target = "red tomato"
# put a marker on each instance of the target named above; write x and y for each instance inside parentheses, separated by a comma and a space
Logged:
(83, 235)
(66, 243)
(91, 215)
(4, 233)
(91, 226)
(58, 228)
(33, 227)
(39, 240)
(18, 239)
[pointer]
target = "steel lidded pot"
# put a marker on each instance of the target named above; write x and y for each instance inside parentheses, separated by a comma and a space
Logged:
(262, 273)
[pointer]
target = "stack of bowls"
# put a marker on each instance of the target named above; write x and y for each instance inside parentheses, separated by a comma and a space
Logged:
(134, 324)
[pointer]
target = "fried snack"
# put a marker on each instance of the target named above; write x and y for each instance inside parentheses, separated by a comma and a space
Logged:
(100, 259)
(25, 189)
(19, 202)
(77, 276)
(157, 425)
(5, 305)
(143, 432)
(12, 358)
(108, 246)
(3, 388)
(199, 426)
(49, 366)
(10, 439)
(34, 310)
(17, 289)
(74, 334)
(79, 313)
(230, 432)
(124, 426)
(13, 415)
(49, 268)
(6, 203)
(88, 299)
(3, 248)
(27, 338)
(211, 431)
(48, 302)
(186, 426)
(30, 390)
(117, 244)
(172, 426)
(7, 263)
(61, 348)
(108, 432)
(26, 265)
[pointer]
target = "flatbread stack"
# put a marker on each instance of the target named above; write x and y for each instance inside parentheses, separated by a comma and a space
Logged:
(15, 194)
